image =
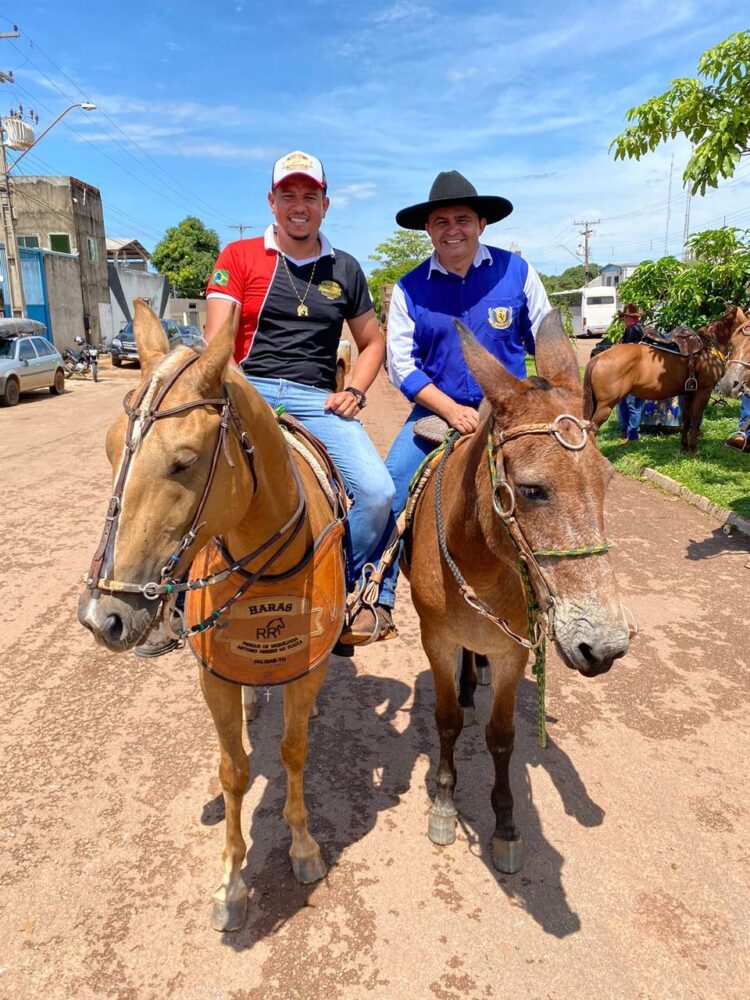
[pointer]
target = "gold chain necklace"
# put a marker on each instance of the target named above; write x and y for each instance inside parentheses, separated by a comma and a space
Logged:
(302, 309)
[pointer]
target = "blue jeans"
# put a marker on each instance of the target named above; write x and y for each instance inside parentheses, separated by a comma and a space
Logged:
(744, 424)
(368, 483)
(406, 455)
(629, 414)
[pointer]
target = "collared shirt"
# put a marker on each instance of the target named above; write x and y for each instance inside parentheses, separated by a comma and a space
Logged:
(502, 301)
(274, 340)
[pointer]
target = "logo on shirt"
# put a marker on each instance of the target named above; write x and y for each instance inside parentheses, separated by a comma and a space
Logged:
(500, 317)
(220, 278)
(331, 289)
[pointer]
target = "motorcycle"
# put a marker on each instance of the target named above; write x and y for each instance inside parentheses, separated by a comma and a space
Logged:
(83, 361)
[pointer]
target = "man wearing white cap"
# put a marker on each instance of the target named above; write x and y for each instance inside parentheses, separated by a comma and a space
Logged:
(295, 291)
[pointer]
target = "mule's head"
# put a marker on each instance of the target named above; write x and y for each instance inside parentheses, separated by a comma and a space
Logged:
(736, 378)
(164, 465)
(558, 492)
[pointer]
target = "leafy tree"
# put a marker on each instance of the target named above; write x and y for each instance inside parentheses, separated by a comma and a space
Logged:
(186, 255)
(694, 292)
(712, 113)
(571, 277)
(394, 257)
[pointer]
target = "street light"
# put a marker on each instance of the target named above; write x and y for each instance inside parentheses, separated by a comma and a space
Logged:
(17, 299)
(83, 105)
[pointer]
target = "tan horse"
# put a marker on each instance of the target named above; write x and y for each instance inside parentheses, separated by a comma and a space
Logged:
(251, 495)
(527, 486)
(736, 379)
(652, 373)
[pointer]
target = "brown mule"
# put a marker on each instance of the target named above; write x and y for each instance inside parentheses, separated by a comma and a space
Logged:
(199, 455)
(651, 373)
(528, 487)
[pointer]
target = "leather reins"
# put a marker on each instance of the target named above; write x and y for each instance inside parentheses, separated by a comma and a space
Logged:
(143, 413)
(539, 592)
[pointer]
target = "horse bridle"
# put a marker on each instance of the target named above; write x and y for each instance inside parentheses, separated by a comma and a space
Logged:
(745, 331)
(143, 412)
(540, 594)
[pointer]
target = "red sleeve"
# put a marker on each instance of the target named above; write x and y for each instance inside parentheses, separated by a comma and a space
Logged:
(228, 275)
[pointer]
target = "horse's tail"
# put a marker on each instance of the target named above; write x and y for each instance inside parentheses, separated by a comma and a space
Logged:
(589, 398)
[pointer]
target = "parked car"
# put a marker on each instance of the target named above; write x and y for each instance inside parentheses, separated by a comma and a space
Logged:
(192, 337)
(27, 361)
(124, 347)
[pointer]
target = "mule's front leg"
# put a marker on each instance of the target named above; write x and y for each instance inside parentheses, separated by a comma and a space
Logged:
(507, 846)
(441, 827)
(225, 702)
(299, 701)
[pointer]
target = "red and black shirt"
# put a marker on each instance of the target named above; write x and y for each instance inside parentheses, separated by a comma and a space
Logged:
(273, 341)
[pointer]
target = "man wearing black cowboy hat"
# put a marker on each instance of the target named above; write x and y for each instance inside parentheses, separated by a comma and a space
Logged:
(494, 292)
(630, 408)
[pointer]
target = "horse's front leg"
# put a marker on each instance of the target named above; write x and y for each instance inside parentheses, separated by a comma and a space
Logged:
(700, 402)
(441, 827)
(225, 702)
(299, 703)
(507, 670)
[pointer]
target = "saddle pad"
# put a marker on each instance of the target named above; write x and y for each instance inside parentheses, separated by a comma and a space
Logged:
(282, 627)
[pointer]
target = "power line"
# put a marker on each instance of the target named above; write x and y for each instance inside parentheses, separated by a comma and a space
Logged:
(173, 180)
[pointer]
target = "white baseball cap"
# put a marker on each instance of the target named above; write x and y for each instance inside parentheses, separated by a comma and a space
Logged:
(298, 163)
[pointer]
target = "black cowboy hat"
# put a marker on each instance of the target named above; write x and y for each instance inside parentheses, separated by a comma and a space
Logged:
(452, 188)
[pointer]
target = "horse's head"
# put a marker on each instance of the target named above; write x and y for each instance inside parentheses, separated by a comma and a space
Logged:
(162, 465)
(555, 484)
(736, 378)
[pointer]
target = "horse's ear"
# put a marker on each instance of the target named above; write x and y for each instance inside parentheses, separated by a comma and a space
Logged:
(209, 370)
(495, 380)
(149, 336)
(555, 357)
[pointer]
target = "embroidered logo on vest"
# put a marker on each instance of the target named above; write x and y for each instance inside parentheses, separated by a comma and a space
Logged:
(500, 317)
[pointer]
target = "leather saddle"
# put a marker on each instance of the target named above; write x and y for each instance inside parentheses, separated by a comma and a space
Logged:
(682, 340)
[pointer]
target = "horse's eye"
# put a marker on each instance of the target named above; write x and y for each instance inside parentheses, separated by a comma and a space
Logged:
(533, 492)
(182, 464)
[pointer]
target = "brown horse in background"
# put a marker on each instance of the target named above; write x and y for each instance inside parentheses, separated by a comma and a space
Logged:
(654, 373)
(218, 451)
(524, 493)
(736, 379)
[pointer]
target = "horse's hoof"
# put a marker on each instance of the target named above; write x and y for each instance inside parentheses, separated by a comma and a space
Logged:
(229, 916)
(441, 829)
(470, 715)
(484, 676)
(507, 855)
(310, 869)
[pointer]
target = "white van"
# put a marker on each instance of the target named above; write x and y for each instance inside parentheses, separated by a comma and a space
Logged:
(598, 308)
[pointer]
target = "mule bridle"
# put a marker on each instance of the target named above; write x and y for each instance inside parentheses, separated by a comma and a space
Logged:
(143, 411)
(539, 593)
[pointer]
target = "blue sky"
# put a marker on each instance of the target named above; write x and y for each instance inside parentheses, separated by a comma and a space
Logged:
(195, 101)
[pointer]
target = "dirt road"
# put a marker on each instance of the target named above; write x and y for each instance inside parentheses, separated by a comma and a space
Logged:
(635, 818)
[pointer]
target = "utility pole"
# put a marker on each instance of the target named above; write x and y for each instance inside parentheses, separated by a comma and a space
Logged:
(17, 300)
(241, 228)
(586, 232)
(686, 227)
(669, 207)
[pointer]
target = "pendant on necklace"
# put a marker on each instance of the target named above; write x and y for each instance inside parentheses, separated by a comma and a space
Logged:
(302, 310)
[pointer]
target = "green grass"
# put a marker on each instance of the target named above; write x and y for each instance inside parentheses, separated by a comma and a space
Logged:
(716, 472)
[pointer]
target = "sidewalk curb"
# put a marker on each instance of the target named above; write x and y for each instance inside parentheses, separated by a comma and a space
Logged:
(726, 517)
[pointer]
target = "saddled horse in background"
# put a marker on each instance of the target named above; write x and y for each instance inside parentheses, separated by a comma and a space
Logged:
(520, 499)
(736, 378)
(199, 456)
(654, 373)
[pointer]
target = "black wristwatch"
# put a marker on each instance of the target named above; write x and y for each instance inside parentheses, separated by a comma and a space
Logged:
(358, 395)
